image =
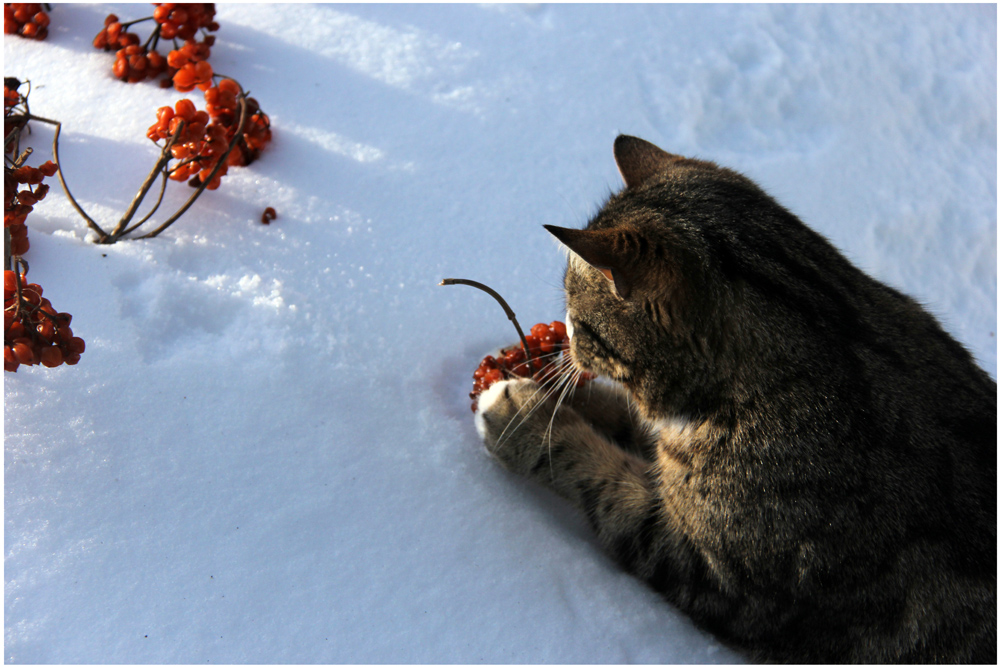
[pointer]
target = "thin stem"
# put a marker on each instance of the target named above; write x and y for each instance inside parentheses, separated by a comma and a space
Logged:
(18, 272)
(159, 200)
(102, 235)
(128, 24)
(154, 37)
(165, 157)
(506, 309)
(23, 157)
(19, 121)
(186, 161)
(20, 158)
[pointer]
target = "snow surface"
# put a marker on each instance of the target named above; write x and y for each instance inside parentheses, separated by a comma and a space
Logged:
(267, 454)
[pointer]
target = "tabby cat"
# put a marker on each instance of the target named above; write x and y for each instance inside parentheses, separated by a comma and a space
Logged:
(794, 454)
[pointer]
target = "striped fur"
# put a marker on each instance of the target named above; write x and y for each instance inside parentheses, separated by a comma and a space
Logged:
(793, 453)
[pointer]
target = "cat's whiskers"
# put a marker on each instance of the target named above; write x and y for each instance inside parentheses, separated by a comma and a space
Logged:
(567, 381)
(504, 434)
(549, 388)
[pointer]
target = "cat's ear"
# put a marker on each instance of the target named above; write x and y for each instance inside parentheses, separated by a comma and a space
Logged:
(602, 250)
(638, 160)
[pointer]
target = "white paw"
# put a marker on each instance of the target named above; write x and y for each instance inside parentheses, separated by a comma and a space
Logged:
(485, 402)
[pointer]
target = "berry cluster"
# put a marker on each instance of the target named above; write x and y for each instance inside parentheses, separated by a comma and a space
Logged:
(222, 104)
(183, 20)
(545, 343)
(256, 130)
(17, 204)
(34, 333)
(133, 63)
(186, 66)
(191, 65)
(201, 138)
(15, 109)
(26, 19)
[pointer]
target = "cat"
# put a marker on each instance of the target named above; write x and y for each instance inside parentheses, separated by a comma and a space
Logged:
(791, 452)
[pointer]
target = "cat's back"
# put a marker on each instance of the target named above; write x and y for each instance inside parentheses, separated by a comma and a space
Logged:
(921, 439)
(866, 397)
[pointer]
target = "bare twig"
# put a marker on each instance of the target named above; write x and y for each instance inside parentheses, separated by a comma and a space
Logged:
(506, 309)
(101, 234)
(165, 157)
(159, 200)
(19, 271)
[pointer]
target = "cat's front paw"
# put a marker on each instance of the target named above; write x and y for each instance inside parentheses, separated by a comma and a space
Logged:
(513, 418)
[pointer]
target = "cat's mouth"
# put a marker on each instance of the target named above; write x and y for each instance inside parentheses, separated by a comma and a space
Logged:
(592, 354)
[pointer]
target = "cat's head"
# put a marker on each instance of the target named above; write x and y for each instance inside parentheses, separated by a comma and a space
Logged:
(654, 292)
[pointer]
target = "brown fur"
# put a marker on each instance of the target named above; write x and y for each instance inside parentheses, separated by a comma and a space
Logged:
(793, 453)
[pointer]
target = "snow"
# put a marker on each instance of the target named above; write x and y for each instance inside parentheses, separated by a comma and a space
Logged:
(266, 453)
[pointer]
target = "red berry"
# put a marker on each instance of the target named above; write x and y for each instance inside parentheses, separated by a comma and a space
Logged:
(127, 39)
(156, 61)
(64, 333)
(229, 86)
(23, 353)
(513, 356)
(138, 62)
(46, 330)
(15, 331)
(120, 68)
(533, 345)
(177, 59)
(76, 345)
(185, 109)
(51, 356)
(10, 362)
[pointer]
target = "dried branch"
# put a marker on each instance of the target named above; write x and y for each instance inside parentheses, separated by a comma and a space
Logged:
(506, 309)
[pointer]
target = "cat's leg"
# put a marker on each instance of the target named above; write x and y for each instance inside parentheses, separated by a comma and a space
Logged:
(608, 408)
(562, 450)
(633, 505)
